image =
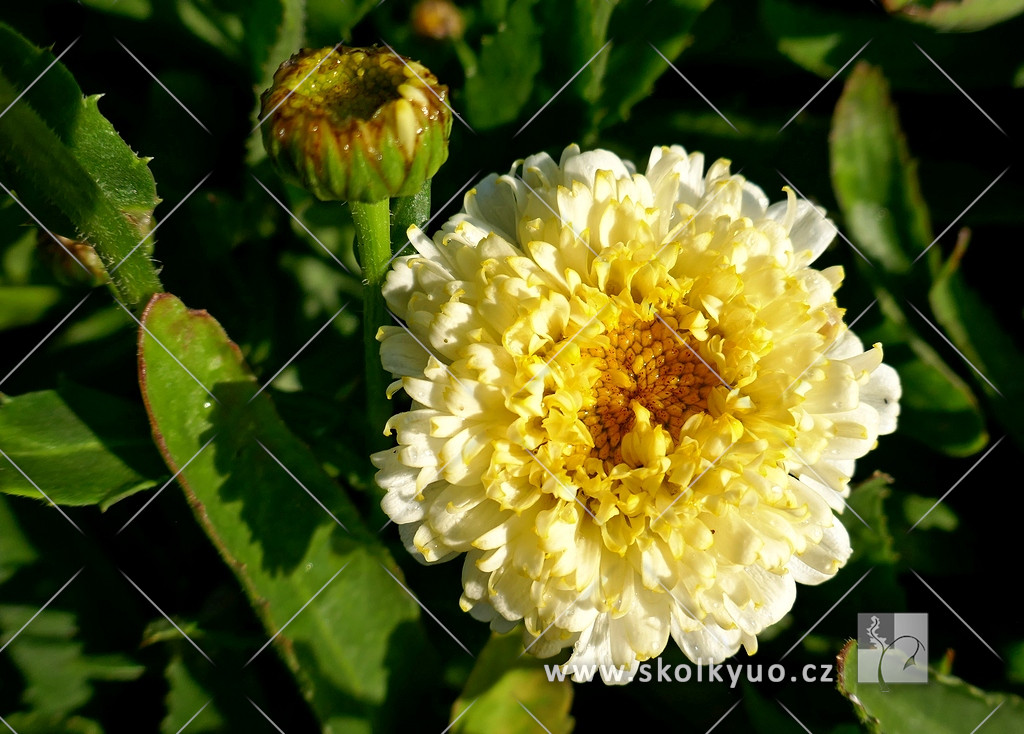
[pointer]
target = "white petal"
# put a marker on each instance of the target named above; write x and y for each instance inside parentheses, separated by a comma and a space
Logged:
(883, 393)
(584, 167)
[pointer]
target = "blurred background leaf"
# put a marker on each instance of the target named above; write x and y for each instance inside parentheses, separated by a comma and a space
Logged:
(509, 692)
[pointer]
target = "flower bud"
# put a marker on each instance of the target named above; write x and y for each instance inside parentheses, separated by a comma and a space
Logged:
(356, 124)
(73, 262)
(438, 20)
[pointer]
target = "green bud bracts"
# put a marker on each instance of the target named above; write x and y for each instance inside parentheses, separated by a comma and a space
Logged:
(364, 125)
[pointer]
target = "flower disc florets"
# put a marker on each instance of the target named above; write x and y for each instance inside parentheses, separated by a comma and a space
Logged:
(356, 124)
(635, 406)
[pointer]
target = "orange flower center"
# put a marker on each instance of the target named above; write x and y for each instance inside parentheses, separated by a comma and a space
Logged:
(649, 362)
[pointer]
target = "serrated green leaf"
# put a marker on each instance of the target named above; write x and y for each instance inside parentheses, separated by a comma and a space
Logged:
(992, 355)
(58, 674)
(965, 15)
(499, 77)
(124, 178)
(281, 545)
(80, 446)
(874, 178)
(879, 194)
(943, 705)
(69, 166)
(505, 687)
(633, 66)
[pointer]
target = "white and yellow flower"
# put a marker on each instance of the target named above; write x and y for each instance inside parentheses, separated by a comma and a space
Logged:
(635, 406)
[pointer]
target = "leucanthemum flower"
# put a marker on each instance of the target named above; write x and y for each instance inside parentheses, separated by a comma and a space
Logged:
(635, 405)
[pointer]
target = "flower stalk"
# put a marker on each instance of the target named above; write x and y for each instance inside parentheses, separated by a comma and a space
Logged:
(366, 126)
(373, 242)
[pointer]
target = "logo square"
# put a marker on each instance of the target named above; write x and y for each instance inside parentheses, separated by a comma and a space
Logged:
(892, 648)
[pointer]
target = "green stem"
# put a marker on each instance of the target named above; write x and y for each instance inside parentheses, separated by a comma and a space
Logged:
(406, 212)
(373, 238)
